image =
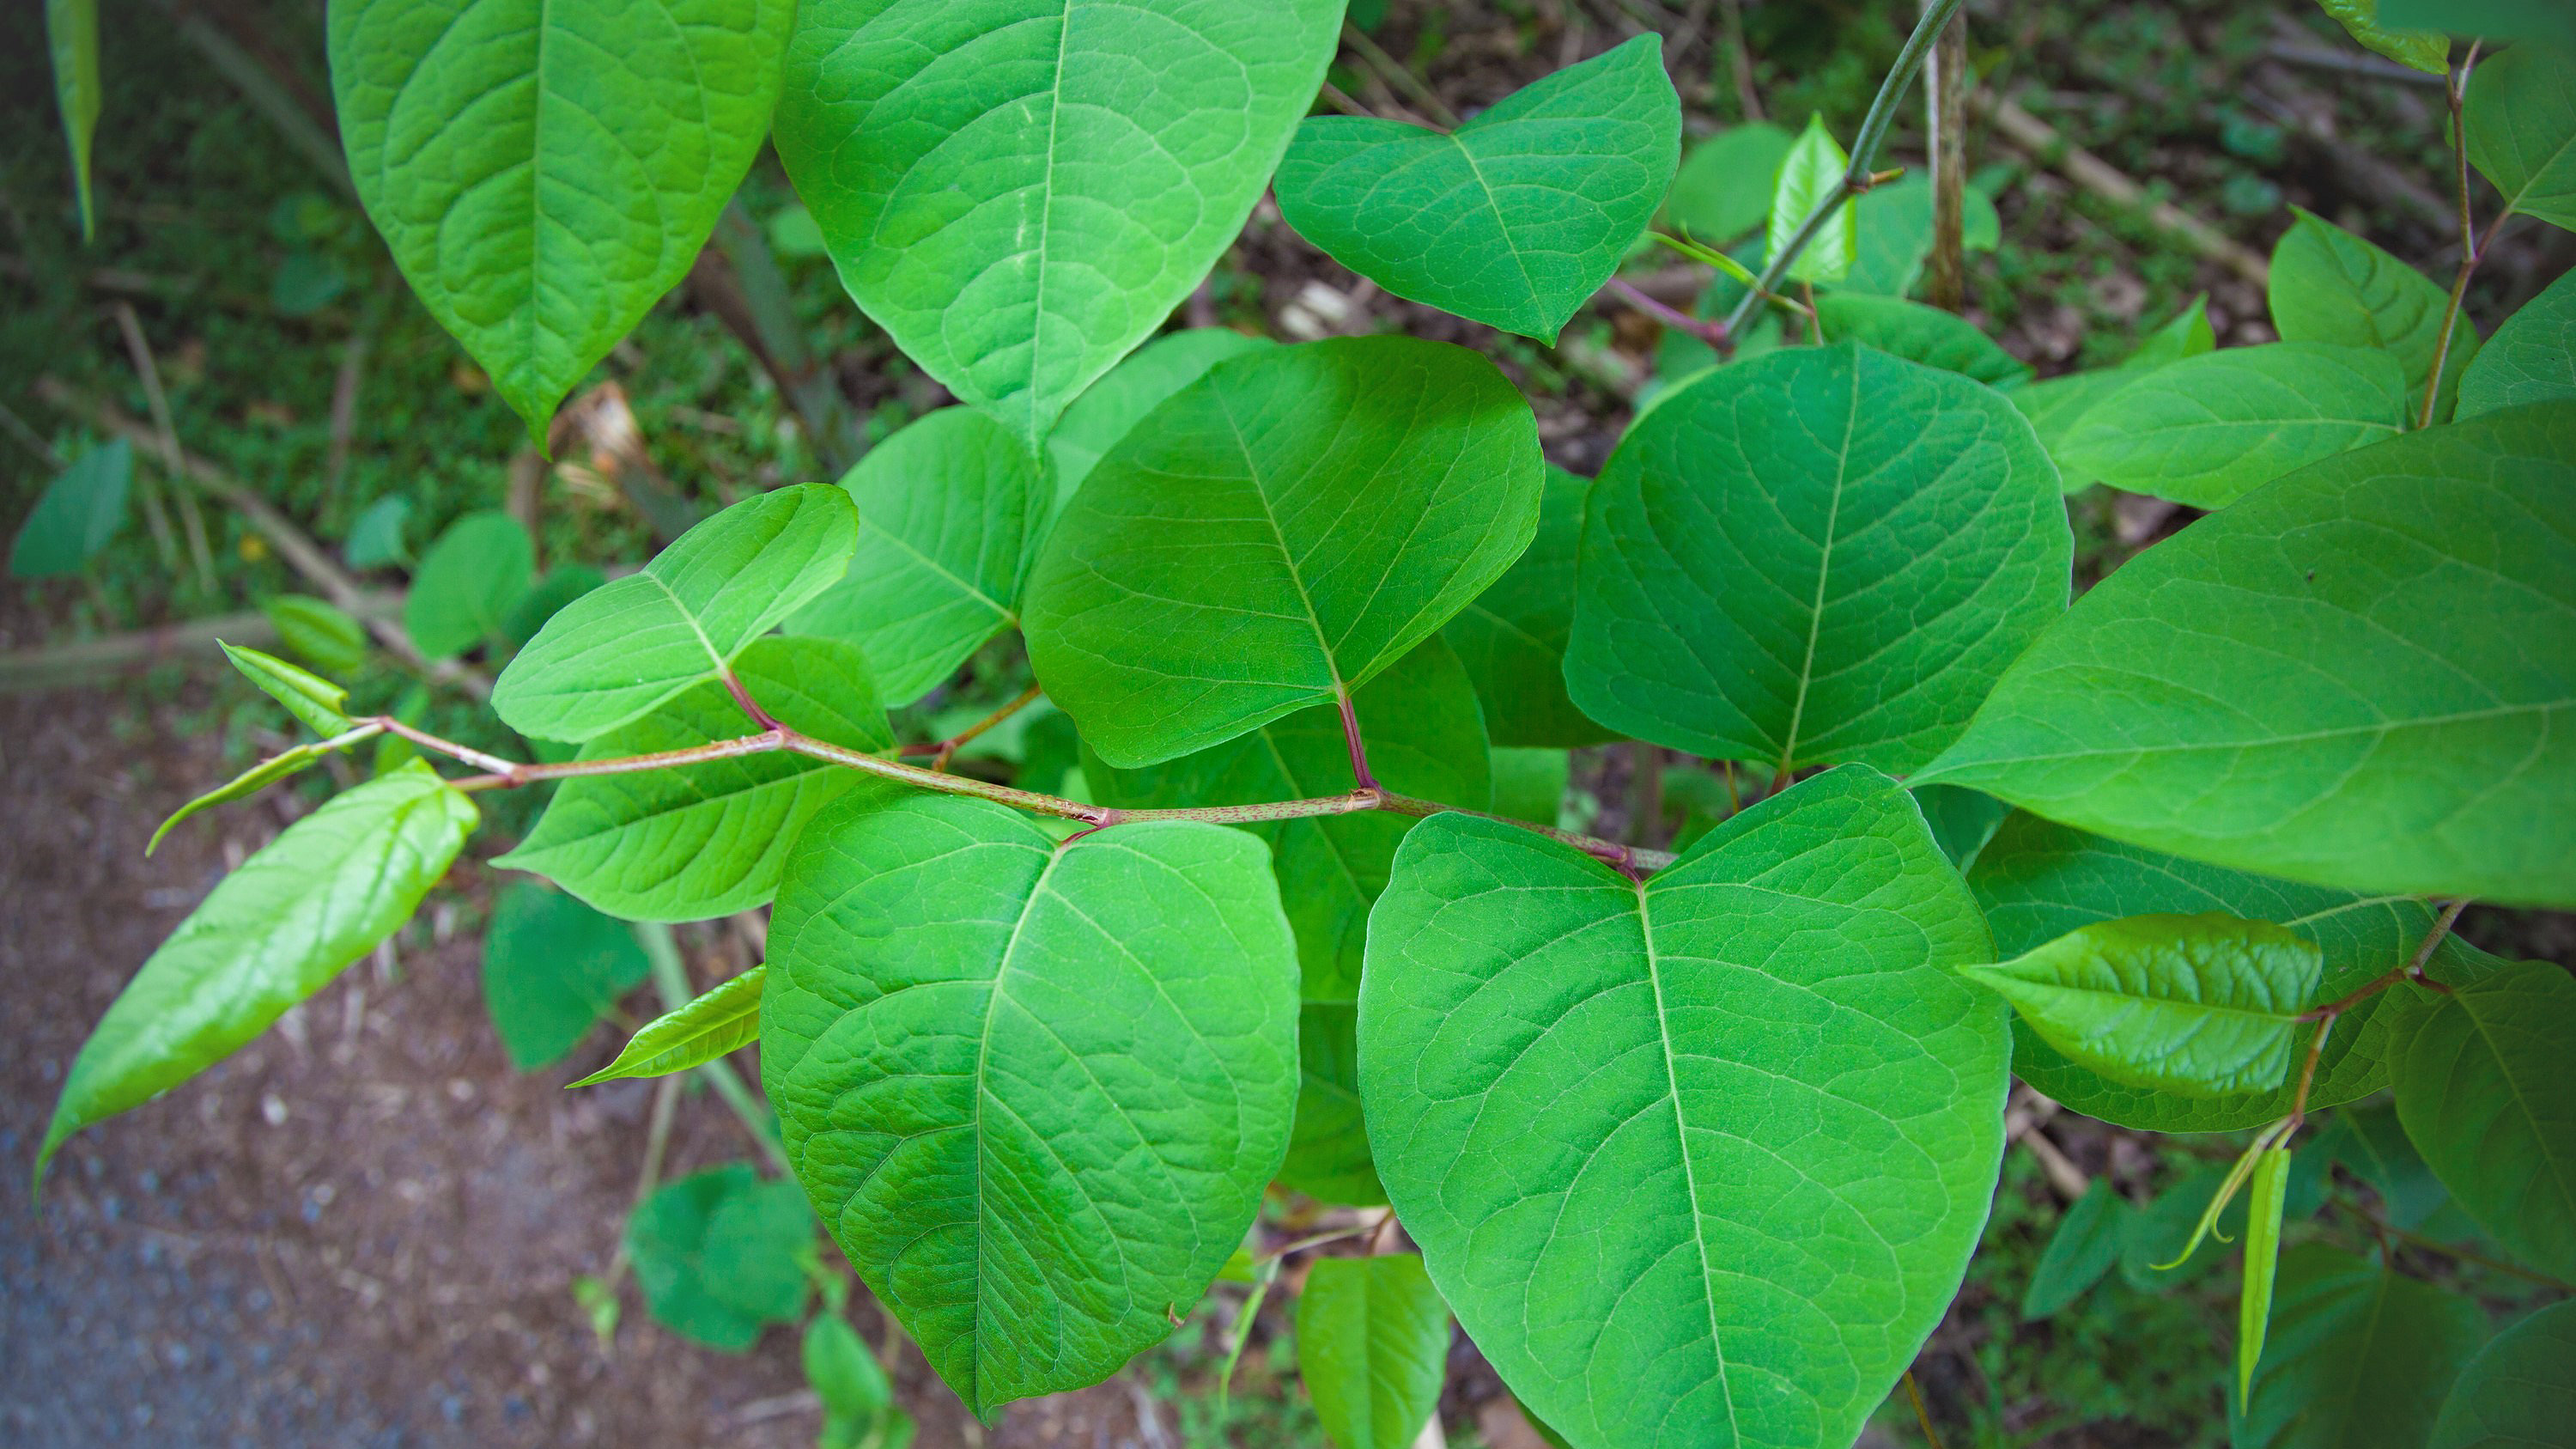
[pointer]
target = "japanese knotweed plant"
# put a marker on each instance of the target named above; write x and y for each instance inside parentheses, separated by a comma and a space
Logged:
(1695, 1147)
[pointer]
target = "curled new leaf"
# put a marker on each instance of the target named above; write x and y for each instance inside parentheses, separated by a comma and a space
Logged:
(2262, 1260)
(721, 1020)
(260, 776)
(320, 704)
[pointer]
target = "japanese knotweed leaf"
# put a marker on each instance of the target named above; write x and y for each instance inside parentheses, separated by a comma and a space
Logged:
(2315, 684)
(544, 170)
(2521, 125)
(1328, 1150)
(718, 1021)
(2532, 357)
(1020, 191)
(2085, 1247)
(1109, 408)
(1419, 723)
(1514, 219)
(468, 582)
(1723, 188)
(2517, 1393)
(1892, 236)
(1034, 1090)
(2359, 1357)
(1825, 554)
(617, 652)
(552, 967)
(948, 510)
(2204, 1005)
(71, 35)
(1373, 1347)
(2265, 1196)
(1512, 638)
(2331, 286)
(1917, 333)
(1276, 533)
(2038, 880)
(272, 933)
(1698, 1160)
(699, 841)
(2209, 429)
(320, 704)
(2485, 1080)
(2056, 405)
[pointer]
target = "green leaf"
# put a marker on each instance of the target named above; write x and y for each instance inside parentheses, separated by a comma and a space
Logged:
(547, 598)
(1962, 821)
(2485, 1079)
(376, 536)
(619, 651)
(1530, 784)
(1626, 1121)
(1921, 334)
(2517, 1393)
(2038, 881)
(947, 508)
(1892, 227)
(1034, 1090)
(544, 170)
(468, 582)
(71, 33)
(2057, 405)
(705, 840)
(275, 931)
(2209, 429)
(2494, 19)
(322, 634)
(844, 1375)
(1723, 188)
(2531, 359)
(2317, 672)
(1514, 219)
(1811, 173)
(76, 515)
(2521, 123)
(1020, 192)
(721, 1254)
(321, 705)
(552, 967)
(2331, 286)
(2359, 1357)
(1512, 638)
(1275, 534)
(1328, 1147)
(2204, 1005)
(2371, 1143)
(2264, 1200)
(1826, 554)
(2424, 50)
(1419, 724)
(2085, 1247)
(1373, 1347)
(723, 1019)
(1110, 408)
(2187, 335)
(250, 782)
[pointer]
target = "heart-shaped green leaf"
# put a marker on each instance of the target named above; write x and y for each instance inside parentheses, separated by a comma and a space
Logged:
(2531, 359)
(720, 1254)
(1514, 219)
(2209, 429)
(2486, 1085)
(1723, 188)
(1373, 1348)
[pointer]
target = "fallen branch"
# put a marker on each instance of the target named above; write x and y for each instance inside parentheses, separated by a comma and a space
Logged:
(2101, 178)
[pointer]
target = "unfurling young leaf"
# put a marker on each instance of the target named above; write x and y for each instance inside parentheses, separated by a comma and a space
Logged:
(552, 967)
(1373, 1347)
(320, 704)
(71, 34)
(468, 582)
(723, 1019)
(320, 633)
(1811, 173)
(260, 776)
(2085, 1246)
(2359, 1357)
(2517, 1391)
(77, 514)
(316, 898)
(2531, 359)
(2223, 1194)
(2203, 1005)
(2264, 1200)
(1514, 219)
(2521, 125)
(721, 1254)
(2485, 1079)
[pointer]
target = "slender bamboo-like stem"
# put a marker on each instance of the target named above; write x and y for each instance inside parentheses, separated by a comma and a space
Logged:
(1351, 739)
(671, 982)
(1945, 84)
(2472, 246)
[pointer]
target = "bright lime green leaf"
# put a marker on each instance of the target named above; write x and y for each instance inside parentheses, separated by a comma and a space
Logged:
(2264, 1200)
(1020, 191)
(2531, 359)
(552, 967)
(1516, 218)
(721, 1254)
(2359, 1357)
(1109, 408)
(2517, 1393)
(1921, 334)
(1962, 821)
(468, 582)
(320, 704)
(1328, 1149)
(1893, 233)
(618, 651)
(275, 931)
(1034, 1090)
(1275, 534)
(257, 778)
(946, 511)
(1811, 174)
(1373, 1347)
(76, 515)
(1623, 1189)
(320, 633)
(1419, 724)
(376, 535)
(2425, 50)
(2205, 1005)
(544, 170)
(2331, 286)
(2038, 881)
(843, 1373)
(706, 840)
(723, 1019)
(1530, 784)
(71, 33)
(2209, 429)
(2085, 1246)
(1723, 188)
(2310, 683)
(1821, 555)
(2486, 1084)
(2521, 121)
(1512, 638)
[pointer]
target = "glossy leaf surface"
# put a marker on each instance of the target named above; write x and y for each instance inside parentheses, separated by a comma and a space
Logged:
(2264, 1199)
(1111, 407)
(1373, 1347)
(721, 1019)
(320, 704)
(2206, 430)
(2422, 50)
(1810, 173)
(2486, 1086)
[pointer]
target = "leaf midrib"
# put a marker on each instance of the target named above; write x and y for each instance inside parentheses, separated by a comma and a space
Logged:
(1824, 571)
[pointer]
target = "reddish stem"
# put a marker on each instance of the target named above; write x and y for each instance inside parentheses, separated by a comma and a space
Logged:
(1351, 737)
